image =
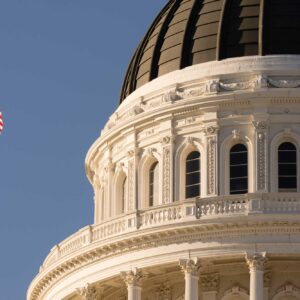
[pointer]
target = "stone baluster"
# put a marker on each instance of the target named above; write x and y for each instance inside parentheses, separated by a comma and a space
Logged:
(90, 292)
(133, 281)
(256, 263)
(191, 268)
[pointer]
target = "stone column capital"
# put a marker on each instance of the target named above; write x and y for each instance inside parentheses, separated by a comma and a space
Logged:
(190, 266)
(133, 277)
(256, 261)
(89, 292)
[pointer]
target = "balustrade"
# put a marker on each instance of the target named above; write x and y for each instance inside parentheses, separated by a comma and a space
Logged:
(175, 213)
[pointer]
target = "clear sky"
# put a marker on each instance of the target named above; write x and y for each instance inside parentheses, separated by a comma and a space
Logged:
(61, 68)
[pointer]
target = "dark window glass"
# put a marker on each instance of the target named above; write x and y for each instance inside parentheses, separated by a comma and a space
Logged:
(238, 169)
(287, 167)
(192, 179)
(153, 184)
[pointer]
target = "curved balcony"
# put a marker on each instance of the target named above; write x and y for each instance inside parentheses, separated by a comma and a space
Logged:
(176, 214)
(198, 218)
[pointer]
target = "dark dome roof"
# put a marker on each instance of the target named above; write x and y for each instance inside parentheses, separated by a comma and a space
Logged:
(189, 32)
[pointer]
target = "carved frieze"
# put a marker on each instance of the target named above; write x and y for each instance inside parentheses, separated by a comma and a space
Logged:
(209, 282)
(164, 292)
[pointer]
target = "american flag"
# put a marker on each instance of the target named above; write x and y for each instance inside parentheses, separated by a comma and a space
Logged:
(1, 122)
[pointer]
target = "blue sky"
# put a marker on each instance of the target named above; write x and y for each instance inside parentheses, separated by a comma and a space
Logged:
(61, 68)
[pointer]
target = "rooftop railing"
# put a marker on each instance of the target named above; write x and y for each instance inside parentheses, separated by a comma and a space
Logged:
(192, 210)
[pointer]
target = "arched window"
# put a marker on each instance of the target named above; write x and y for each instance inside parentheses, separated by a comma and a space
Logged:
(238, 169)
(124, 195)
(154, 184)
(192, 178)
(287, 167)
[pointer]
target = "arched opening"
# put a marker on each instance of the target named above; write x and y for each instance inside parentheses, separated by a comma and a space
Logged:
(287, 167)
(154, 184)
(238, 169)
(193, 175)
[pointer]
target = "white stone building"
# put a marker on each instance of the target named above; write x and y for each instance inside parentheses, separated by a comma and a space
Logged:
(197, 173)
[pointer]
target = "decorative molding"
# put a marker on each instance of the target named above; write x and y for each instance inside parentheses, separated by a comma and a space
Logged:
(190, 266)
(166, 140)
(164, 292)
(90, 292)
(260, 125)
(267, 278)
(283, 83)
(212, 87)
(211, 130)
(209, 282)
(256, 261)
(211, 163)
(235, 291)
(131, 244)
(236, 134)
(133, 277)
(287, 290)
(131, 185)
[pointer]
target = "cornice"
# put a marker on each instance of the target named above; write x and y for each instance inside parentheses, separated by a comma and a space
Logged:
(230, 89)
(162, 237)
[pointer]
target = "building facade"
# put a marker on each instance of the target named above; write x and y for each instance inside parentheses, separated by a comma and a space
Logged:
(196, 174)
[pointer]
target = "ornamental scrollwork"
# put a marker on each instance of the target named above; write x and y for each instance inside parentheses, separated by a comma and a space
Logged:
(190, 266)
(133, 277)
(209, 282)
(260, 125)
(256, 261)
(90, 292)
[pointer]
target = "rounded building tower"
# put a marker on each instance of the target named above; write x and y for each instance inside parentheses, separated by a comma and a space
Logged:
(197, 173)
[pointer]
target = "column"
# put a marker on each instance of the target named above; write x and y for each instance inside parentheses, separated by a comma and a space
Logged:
(256, 263)
(133, 281)
(191, 268)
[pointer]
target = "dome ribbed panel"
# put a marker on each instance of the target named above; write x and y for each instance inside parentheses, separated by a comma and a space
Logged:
(206, 32)
(240, 32)
(189, 32)
(170, 52)
(282, 27)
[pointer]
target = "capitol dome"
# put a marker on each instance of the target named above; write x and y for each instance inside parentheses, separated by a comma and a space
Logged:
(196, 175)
(191, 32)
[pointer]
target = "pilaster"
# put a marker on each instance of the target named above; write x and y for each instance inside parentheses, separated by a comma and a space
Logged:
(167, 143)
(261, 142)
(211, 133)
(109, 168)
